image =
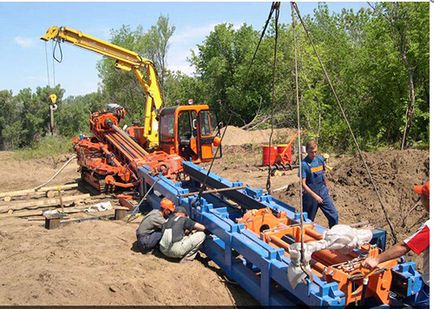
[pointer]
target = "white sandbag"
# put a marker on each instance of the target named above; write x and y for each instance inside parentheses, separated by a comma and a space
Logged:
(339, 237)
(103, 206)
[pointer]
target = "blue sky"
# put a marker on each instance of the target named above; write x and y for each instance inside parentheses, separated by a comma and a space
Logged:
(22, 24)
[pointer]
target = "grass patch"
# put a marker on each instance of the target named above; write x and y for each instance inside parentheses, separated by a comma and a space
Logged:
(421, 145)
(48, 146)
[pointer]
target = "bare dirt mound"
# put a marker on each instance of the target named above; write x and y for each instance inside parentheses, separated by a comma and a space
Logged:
(17, 174)
(395, 172)
(236, 136)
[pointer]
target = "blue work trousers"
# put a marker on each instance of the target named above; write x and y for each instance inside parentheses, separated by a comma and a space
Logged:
(422, 298)
(328, 207)
(147, 242)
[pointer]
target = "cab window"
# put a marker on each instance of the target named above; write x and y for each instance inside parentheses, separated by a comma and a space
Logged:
(167, 127)
(207, 121)
(185, 124)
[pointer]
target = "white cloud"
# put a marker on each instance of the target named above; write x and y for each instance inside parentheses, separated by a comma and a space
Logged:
(183, 67)
(24, 42)
(181, 44)
(184, 41)
(189, 33)
(237, 26)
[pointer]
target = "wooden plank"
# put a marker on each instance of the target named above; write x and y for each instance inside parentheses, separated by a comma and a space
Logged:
(39, 196)
(43, 218)
(31, 195)
(43, 189)
(43, 203)
(39, 212)
(88, 200)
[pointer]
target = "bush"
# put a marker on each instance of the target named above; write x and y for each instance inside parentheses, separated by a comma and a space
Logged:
(48, 146)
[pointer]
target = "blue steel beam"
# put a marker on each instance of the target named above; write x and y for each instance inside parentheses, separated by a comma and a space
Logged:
(259, 268)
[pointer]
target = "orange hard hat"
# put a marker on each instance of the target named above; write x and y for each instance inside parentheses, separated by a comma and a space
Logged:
(167, 204)
(216, 141)
(422, 189)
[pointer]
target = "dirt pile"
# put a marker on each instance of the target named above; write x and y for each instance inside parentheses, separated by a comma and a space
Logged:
(236, 136)
(18, 174)
(395, 172)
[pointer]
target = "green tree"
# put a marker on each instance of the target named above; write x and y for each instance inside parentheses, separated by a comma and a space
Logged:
(35, 113)
(73, 116)
(231, 85)
(408, 26)
(122, 87)
(158, 45)
(182, 87)
(10, 121)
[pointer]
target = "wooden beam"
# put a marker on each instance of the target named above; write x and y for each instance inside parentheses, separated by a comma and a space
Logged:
(43, 189)
(43, 203)
(99, 217)
(39, 212)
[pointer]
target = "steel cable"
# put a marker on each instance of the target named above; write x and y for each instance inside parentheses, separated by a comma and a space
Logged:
(392, 229)
(302, 260)
(276, 7)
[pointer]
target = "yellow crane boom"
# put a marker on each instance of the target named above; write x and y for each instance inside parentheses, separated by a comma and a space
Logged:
(126, 60)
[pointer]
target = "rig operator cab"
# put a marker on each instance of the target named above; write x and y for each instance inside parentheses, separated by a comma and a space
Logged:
(190, 131)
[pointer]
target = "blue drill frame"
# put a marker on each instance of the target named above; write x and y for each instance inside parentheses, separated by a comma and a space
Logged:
(259, 268)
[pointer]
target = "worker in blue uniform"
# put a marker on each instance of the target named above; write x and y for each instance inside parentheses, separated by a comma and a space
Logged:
(315, 191)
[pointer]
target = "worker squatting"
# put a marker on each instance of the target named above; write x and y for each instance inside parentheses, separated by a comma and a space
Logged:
(178, 236)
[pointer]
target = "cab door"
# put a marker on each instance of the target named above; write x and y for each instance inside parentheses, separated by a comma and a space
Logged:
(167, 130)
(208, 131)
(187, 134)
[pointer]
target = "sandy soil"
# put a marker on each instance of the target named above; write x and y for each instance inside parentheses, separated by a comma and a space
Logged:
(96, 263)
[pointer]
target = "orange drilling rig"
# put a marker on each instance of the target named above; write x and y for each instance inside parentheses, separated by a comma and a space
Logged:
(169, 134)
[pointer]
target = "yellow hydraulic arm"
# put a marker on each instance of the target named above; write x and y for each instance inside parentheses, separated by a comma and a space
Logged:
(126, 60)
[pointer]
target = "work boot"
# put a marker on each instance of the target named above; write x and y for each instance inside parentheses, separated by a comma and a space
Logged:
(186, 260)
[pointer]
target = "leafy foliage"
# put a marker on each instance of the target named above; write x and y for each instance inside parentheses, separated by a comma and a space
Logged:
(122, 87)
(376, 58)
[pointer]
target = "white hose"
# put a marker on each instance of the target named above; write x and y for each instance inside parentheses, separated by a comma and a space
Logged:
(55, 174)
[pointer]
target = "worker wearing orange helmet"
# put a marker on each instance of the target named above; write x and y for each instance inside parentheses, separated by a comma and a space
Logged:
(418, 243)
(182, 237)
(149, 231)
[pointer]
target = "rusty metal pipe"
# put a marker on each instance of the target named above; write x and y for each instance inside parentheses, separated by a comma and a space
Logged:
(279, 242)
(130, 152)
(130, 140)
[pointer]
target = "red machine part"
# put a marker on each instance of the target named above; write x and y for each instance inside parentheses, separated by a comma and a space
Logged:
(280, 156)
(284, 156)
(112, 157)
(345, 268)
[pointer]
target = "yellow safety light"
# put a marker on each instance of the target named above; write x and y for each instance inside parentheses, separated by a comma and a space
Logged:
(53, 98)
